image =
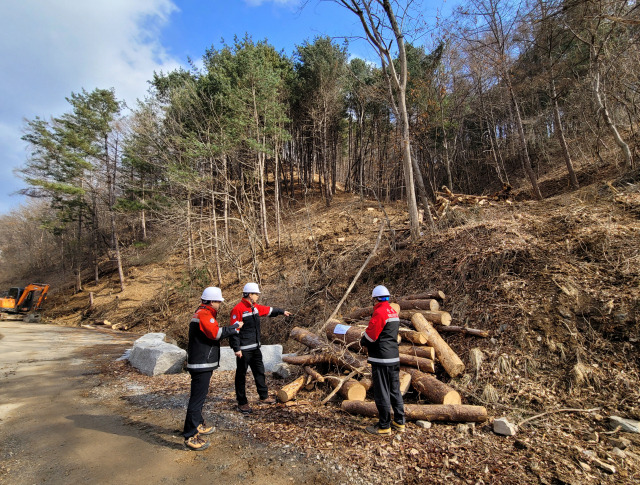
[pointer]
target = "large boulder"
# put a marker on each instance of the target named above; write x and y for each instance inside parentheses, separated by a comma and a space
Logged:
(271, 356)
(152, 356)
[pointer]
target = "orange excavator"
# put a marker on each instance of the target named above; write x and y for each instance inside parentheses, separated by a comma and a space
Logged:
(24, 301)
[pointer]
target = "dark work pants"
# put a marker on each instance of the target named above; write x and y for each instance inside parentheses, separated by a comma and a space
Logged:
(250, 358)
(199, 389)
(386, 394)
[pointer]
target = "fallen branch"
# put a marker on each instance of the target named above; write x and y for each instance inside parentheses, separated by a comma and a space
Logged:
(350, 389)
(340, 355)
(338, 387)
(463, 330)
(315, 375)
(563, 410)
(309, 359)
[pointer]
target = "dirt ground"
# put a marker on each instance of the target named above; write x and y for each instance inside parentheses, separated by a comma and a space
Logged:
(62, 422)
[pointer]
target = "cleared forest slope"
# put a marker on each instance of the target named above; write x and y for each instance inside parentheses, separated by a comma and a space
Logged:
(556, 283)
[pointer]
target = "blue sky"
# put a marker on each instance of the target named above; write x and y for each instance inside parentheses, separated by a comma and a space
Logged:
(51, 48)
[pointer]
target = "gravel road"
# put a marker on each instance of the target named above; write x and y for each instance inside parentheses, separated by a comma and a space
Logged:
(55, 428)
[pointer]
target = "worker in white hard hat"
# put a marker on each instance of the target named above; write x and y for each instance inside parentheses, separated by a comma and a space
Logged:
(381, 340)
(246, 345)
(203, 357)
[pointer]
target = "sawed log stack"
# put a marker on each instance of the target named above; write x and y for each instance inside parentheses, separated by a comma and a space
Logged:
(418, 361)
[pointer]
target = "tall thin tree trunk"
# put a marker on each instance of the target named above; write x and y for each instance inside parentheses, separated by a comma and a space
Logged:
(189, 234)
(225, 178)
(216, 240)
(560, 134)
(422, 191)
(264, 221)
(602, 105)
(526, 161)
(276, 195)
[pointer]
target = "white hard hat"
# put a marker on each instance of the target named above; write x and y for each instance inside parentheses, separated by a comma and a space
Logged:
(380, 291)
(212, 293)
(251, 288)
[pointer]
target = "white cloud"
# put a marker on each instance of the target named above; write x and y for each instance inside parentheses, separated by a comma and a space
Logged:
(257, 3)
(49, 49)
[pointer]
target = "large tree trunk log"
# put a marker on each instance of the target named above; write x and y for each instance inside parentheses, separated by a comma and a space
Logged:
(359, 314)
(405, 382)
(425, 365)
(447, 357)
(351, 338)
(314, 374)
(434, 390)
(366, 382)
(463, 330)
(424, 351)
(431, 305)
(461, 413)
(427, 295)
(309, 359)
(412, 336)
(352, 389)
(342, 356)
(288, 392)
(439, 317)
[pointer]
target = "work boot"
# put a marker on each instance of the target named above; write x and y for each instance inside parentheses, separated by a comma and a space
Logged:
(377, 430)
(204, 429)
(196, 443)
(400, 428)
(267, 400)
(244, 408)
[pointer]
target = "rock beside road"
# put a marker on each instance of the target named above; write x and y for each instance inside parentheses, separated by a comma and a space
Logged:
(152, 356)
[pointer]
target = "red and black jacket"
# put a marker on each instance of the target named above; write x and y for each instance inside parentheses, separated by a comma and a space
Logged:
(248, 337)
(381, 335)
(203, 352)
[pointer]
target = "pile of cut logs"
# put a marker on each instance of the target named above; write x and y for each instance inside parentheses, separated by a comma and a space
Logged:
(421, 349)
(447, 200)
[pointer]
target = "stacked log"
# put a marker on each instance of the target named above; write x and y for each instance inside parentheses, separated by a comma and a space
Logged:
(350, 390)
(347, 334)
(412, 336)
(457, 413)
(438, 317)
(447, 357)
(425, 365)
(289, 391)
(421, 350)
(434, 390)
(429, 304)
(418, 350)
(427, 295)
